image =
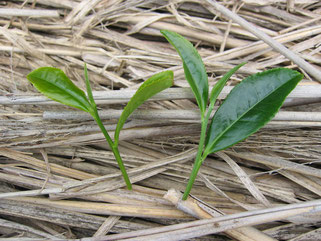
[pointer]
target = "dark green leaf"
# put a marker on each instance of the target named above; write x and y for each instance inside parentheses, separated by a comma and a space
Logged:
(54, 84)
(218, 87)
(150, 87)
(193, 66)
(249, 106)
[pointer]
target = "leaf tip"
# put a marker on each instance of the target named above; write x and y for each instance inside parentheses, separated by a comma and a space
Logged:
(164, 31)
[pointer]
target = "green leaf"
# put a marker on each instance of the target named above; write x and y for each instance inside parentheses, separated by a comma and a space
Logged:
(150, 87)
(218, 87)
(54, 84)
(194, 68)
(249, 106)
(89, 91)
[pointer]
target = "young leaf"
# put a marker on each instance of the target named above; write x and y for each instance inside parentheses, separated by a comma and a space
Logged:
(150, 87)
(218, 87)
(194, 68)
(249, 106)
(89, 91)
(54, 84)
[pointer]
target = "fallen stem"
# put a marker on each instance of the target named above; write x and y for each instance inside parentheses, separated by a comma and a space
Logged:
(219, 224)
(268, 40)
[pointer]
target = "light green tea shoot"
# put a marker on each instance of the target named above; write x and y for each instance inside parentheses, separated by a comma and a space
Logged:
(54, 84)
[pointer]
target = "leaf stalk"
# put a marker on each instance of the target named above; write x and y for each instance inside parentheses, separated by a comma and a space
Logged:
(199, 157)
(114, 149)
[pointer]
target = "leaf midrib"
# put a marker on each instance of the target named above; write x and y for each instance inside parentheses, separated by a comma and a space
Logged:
(67, 91)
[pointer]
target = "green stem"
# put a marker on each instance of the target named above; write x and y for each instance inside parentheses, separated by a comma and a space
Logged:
(122, 167)
(202, 139)
(199, 159)
(114, 148)
(197, 165)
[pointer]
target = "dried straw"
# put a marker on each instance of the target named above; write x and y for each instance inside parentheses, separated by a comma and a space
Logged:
(58, 178)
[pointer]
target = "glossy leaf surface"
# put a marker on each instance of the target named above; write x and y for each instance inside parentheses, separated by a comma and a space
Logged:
(54, 84)
(194, 68)
(249, 106)
(150, 87)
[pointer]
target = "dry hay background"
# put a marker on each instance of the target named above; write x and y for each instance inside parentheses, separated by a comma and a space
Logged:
(54, 149)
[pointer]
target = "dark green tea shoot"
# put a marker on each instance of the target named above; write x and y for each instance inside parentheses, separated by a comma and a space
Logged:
(247, 108)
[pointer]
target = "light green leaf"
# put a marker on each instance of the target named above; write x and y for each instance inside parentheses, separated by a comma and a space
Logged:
(150, 87)
(194, 68)
(218, 87)
(89, 91)
(54, 84)
(249, 106)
